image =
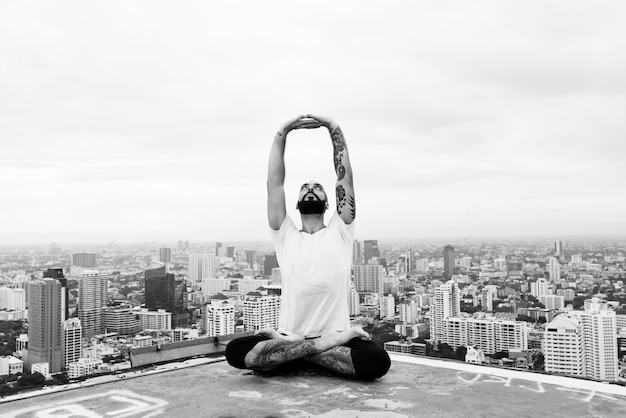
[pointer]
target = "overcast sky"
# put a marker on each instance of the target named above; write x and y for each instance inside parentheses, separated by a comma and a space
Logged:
(138, 121)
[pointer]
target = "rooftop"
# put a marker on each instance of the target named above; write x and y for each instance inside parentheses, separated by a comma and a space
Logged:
(415, 386)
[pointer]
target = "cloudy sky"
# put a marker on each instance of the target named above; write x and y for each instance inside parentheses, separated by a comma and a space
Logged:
(136, 121)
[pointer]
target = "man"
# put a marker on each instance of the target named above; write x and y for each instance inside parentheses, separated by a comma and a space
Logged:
(315, 264)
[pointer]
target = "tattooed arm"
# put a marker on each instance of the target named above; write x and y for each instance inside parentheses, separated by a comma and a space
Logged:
(276, 210)
(344, 188)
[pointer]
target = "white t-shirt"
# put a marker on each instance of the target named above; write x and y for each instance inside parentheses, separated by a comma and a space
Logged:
(315, 274)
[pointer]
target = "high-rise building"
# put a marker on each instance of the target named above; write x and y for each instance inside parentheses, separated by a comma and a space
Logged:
(370, 250)
(12, 299)
(553, 302)
(218, 317)
(251, 258)
(72, 341)
(354, 305)
(466, 262)
(158, 320)
(577, 259)
(211, 287)
(270, 262)
(448, 261)
(203, 266)
(568, 294)
(410, 260)
(85, 260)
(369, 278)
(421, 265)
(162, 291)
(260, 311)
(446, 304)
(165, 255)
(558, 248)
(45, 338)
(599, 341)
(230, 252)
(583, 343)
(387, 306)
(407, 311)
(488, 294)
(120, 319)
(276, 276)
(539, 288)
(92, 298)
(356, 252)
(488, 334)
(554, 268)
(563, 346)
(58, 275)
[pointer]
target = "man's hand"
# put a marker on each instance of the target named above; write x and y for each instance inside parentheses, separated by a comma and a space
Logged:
(275, 335)
(299, 122)
(323, 121)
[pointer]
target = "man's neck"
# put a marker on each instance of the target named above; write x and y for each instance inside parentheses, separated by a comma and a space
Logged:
(312, 223)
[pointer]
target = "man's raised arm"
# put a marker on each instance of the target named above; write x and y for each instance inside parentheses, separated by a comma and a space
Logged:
(344, 187)
(276, 210)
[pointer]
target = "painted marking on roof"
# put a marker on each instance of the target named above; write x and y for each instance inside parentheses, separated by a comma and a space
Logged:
(114, 403)
(245, 394)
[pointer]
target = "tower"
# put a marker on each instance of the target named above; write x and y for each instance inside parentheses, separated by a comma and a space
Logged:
(218, 317)
(269, 263)
(202, 266)
(554, 268)
(45, 341)
(356, 252)
(72, 338)
(539, 288)
(369, 278)
(448, 261)
(84, 260)
(163, 292)
(446, 304)
(58, 275)
(260, 311)
(92, 298)
(165, 255)
(370, 250)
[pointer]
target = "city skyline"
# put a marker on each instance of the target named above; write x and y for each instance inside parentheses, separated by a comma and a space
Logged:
(153, 122)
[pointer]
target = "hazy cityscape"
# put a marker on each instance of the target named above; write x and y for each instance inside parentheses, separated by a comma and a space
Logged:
(554, 306)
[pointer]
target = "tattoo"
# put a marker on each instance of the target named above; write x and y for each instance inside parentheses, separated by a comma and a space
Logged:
(352, 206)
(339, 145)
(276, 352)
(337, 359)
(341, 198)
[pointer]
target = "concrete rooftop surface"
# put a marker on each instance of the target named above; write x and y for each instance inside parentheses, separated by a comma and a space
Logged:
(414, 387)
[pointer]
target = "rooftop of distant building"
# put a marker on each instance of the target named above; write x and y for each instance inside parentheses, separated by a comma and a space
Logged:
(415, 386)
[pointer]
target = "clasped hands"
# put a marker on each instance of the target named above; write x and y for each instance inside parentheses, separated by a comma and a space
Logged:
(308, 121)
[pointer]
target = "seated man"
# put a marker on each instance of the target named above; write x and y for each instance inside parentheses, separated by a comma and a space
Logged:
(315, 265)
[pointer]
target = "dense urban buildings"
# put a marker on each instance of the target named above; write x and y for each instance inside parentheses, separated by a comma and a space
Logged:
(543, 305)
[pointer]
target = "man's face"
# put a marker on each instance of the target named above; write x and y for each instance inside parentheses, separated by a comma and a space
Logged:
(312, 198)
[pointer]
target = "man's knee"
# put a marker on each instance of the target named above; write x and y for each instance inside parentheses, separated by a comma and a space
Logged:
(370, 360)
(238, 348)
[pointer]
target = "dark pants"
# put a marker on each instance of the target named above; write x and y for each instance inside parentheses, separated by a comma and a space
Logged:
(370, 360)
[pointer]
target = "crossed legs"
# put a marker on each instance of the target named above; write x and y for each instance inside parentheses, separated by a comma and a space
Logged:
(349, 353)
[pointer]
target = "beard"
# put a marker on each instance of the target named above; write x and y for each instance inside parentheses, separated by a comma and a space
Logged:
(308, 207)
